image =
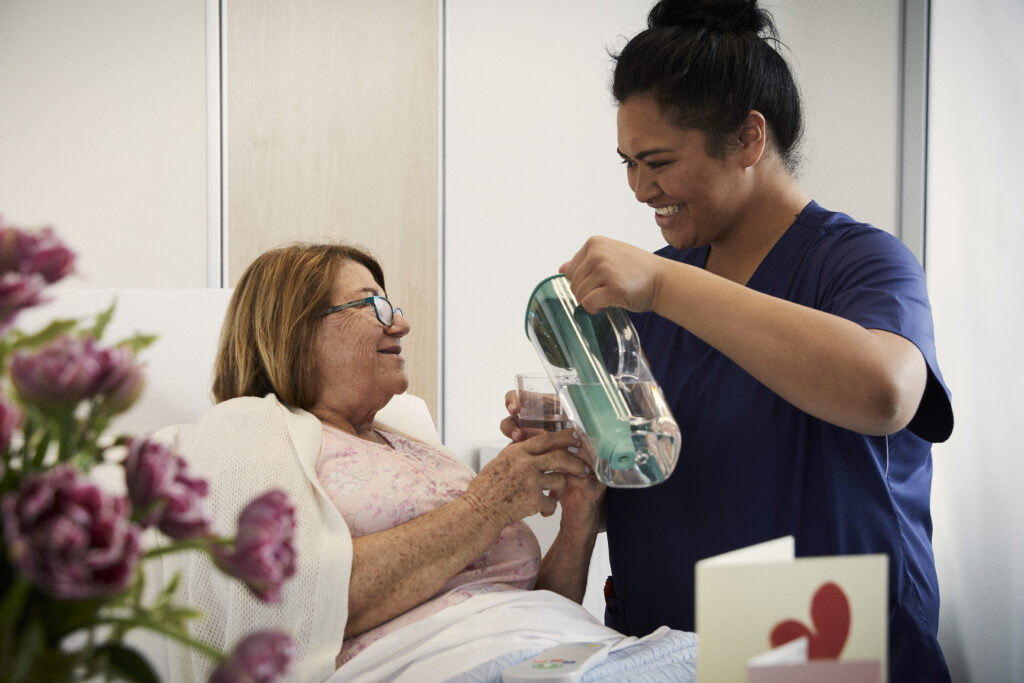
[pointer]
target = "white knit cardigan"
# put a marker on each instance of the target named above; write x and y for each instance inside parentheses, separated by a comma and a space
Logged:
(244, 447)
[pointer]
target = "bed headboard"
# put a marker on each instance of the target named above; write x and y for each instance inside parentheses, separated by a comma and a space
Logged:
(179, 364)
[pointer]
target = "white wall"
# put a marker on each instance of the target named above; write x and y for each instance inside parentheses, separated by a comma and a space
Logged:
(975, 237)
(103, 134)
(846, 58)
(530, 171)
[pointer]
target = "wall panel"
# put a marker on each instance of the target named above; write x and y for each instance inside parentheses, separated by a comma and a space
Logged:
(332, 133)
(974, 241)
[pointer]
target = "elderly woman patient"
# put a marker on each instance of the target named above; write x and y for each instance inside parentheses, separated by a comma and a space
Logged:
(408, 564)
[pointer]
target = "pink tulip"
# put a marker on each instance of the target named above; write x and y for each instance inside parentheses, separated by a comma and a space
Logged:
(49, 257)
(28, 261)
(158, 482)
(72, 369)
(261, 657)
(70, 538)
(263, 555)
(18, 292)
(39, 252)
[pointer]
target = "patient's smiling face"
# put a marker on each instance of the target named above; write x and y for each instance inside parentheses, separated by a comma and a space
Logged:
(358, 360)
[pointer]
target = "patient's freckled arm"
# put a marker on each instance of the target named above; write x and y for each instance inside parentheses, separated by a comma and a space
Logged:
(395, 570)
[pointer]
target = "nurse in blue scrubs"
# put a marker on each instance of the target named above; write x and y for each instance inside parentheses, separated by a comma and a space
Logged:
(795, 344)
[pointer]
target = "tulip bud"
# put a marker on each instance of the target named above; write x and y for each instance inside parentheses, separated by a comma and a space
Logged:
(263, 555)
(158, 483)
(261, 657)
(49, 257)
(125, 388)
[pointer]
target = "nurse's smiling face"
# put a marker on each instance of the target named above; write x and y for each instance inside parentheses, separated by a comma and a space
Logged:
(696, 198)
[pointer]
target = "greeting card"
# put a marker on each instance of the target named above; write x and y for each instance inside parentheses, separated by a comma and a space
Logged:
(764, 615)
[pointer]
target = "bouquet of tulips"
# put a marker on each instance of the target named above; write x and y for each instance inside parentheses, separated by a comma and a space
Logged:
(71, 551)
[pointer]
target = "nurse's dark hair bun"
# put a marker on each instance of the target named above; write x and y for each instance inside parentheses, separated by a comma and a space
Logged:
(720, 16)
(708, 64)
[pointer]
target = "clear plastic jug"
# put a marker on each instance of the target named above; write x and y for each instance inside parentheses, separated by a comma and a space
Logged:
(597, 366)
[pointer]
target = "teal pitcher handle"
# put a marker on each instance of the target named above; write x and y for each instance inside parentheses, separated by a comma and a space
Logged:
(572, 339)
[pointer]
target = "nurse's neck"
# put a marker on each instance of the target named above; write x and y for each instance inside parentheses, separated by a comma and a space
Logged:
(737, 256)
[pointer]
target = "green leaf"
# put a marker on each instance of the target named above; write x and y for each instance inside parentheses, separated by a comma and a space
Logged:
(125, 663)
(163, 607)
(179, 617)
(103, 319)
(162, 600)
(172, 585)
(48, 333)
(138, 342)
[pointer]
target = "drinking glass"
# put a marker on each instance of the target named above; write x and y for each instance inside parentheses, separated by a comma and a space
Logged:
(539, 405)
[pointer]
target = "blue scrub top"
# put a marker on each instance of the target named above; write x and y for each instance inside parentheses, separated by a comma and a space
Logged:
(754, 468)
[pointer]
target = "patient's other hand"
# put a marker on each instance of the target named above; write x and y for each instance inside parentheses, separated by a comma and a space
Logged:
(510, 425)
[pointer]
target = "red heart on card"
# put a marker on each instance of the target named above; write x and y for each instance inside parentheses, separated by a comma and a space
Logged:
(830, 612)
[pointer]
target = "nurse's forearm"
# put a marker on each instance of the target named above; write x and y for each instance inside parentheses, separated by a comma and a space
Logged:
(869, 381)
(565, 566)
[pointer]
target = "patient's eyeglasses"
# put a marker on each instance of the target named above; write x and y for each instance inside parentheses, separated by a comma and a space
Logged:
(382, 307)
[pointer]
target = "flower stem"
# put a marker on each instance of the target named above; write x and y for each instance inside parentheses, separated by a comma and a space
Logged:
(65, 435)
(135, 622)
(10, 613)
(204, 544)
(14, 601)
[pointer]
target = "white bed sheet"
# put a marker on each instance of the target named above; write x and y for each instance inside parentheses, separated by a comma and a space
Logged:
(476, 639)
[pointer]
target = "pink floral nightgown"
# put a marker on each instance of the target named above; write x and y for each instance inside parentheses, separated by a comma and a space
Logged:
(377, 488)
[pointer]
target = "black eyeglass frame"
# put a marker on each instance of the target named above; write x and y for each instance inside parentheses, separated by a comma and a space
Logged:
(375, 302)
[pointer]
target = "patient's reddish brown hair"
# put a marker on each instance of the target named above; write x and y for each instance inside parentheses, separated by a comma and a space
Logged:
(266, 343)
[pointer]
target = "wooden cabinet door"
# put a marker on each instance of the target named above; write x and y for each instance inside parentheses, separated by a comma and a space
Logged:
(331, 132)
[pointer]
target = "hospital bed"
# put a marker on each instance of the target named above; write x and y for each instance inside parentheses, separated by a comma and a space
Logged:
(178, 370)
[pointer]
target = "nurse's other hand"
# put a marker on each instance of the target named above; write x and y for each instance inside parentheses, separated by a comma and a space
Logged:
(581, 498)
(606, 272)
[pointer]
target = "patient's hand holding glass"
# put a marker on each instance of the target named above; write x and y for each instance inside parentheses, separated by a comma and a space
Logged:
(539, 405)
(605, 386)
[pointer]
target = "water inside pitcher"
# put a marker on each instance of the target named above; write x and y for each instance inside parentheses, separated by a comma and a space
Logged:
(596, 363)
